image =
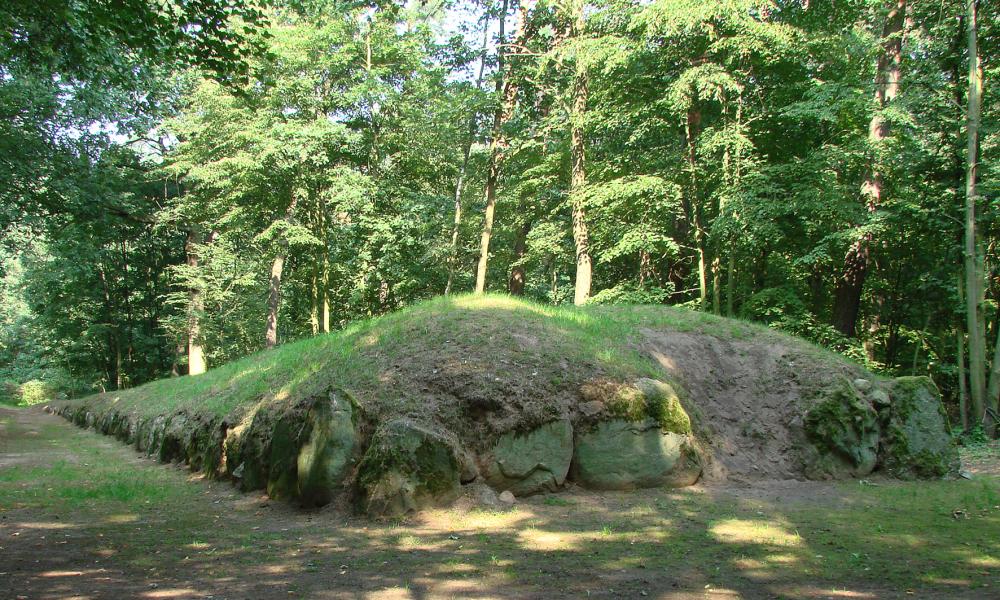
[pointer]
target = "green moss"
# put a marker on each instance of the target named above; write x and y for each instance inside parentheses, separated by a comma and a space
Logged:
(628, 403)
(905, 391)
(843, 424)
(916, 441)
(651, 399)
(435, 467)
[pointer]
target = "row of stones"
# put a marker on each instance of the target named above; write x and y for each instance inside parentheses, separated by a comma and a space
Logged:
(314, 451)
(410, 466)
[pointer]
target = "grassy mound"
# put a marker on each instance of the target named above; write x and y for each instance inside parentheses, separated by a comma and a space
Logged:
(461, 377)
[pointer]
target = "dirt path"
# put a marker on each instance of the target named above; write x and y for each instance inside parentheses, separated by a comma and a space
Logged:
(82, 516)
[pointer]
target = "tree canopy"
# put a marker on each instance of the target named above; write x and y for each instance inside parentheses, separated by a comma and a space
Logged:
(183, 183)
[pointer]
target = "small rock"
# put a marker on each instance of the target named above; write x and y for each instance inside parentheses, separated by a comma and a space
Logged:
(507, 498)
(880, 398)
(594, 407)
(862, 385)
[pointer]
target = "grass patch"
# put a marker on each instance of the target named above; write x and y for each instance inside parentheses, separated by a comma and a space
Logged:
(938, 538)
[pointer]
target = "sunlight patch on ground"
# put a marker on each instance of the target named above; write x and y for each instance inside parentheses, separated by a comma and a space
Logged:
(62, 573)
(172, 593)
(121, 519)
(741, 531)
(764, 565)
(274, 569)
(721, 593)
(396, 593)
(474, 519)
(824, 593)
(947, 581)
(987, 562)
(549, 540)
(46, 525)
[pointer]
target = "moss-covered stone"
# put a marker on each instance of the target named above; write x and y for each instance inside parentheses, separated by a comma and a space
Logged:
(533, 462)
(173, 445)
(326, 454)
(916, 442)
(620, 454)
(408, 466)
(283, 476)
(842, 431)
(248, 450)
(650, 399)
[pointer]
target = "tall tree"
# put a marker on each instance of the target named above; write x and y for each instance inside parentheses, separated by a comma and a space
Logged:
(578, 166)
(506, 95)
(973, 259)
(847, 295)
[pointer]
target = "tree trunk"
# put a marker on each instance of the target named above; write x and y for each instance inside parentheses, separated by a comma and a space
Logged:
(963, 392)
(460, 181)
(850, 285)
(973, 269)
(691, 124)
(506, 93)
(517, 272)
(578, 176)
(326, 290)
(314, 301)
(196, 306)
(730, 281)
(274, 295)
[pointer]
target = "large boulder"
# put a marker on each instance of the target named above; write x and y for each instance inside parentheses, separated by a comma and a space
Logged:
(648, 443)
(327, 452)
(286, 439)
(312, 446)
(409, 466)
(532, 462)
(842, 434)
(622, 455)
(915, 437)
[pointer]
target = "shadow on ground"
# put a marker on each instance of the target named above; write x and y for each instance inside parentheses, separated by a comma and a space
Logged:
(83, 517)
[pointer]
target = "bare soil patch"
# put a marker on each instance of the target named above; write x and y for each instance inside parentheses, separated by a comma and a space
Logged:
(748, 397)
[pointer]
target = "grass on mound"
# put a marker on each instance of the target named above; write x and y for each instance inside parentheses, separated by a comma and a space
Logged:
(602, 336)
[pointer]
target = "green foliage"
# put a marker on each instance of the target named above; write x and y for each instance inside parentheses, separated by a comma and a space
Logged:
(153, 173)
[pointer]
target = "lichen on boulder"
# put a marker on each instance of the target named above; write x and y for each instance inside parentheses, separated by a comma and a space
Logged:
(915, 439)
(621, 455)
(532, 462)
(408, 466)
(842, 431)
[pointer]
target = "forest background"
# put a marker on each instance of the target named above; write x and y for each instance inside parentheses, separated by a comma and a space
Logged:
(185, 183)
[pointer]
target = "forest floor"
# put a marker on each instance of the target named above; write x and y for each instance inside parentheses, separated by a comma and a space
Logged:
(83, 516)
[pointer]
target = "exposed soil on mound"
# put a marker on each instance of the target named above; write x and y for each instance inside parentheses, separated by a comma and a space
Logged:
(748, 399)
